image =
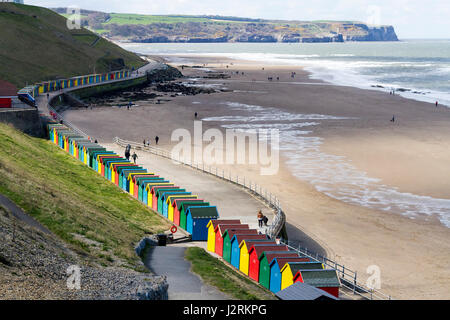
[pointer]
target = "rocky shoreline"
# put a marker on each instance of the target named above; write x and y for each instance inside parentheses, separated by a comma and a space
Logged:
(34, 265)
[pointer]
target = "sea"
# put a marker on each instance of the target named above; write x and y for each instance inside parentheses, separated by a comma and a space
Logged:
(415, 69)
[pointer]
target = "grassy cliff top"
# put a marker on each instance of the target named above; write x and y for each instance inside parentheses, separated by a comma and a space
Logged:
(73, 201)
(36, 45)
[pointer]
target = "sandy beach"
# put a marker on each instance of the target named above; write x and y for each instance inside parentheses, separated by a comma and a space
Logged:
(409, 156)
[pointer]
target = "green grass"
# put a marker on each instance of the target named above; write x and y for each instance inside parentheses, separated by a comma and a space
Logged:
(214, 272)
(70, 198)
(125, 18)
(36, 45)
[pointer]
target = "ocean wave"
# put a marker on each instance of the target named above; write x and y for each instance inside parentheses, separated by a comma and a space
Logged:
(330, 174)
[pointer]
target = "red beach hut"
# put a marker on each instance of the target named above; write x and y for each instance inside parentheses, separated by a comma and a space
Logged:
(255, 252)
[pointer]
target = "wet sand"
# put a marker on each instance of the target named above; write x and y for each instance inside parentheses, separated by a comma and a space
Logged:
(411, 154)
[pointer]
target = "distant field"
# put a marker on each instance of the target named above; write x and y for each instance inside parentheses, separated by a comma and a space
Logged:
(121, 18)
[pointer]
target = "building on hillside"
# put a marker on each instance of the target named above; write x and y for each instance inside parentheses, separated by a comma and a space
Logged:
(8, 92)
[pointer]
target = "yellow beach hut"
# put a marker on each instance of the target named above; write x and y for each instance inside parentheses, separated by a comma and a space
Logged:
(211, 241)
(150, 195)
(170, 206)
(290, 269)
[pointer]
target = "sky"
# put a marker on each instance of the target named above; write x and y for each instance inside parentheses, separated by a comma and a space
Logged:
(417, 19)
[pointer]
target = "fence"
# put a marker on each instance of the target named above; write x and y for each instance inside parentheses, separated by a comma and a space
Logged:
(279, 218)
(348, 277)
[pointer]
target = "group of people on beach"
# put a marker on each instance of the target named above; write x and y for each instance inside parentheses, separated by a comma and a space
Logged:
(147, 142)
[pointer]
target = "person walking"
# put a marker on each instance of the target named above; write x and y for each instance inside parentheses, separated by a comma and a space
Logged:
(437, 103)
(134, 156)
(265, 220)
(196, 115)
(260, 218)
(127, 152)
(156, 140)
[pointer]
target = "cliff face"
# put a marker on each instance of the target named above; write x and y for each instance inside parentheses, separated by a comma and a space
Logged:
(306, 33)
(160, 29)
(384, 33)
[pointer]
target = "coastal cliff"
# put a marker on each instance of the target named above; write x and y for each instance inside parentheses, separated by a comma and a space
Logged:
(217, 29)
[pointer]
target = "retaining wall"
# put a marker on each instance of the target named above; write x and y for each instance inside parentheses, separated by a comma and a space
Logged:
(26, 120)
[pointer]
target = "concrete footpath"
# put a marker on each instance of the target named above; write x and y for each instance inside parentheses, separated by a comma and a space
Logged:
(183, 285)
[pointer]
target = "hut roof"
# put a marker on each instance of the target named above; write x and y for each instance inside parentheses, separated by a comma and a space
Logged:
(281, 261)
(216, 222)
(222, 227)
(303, 291)
(203, 212)
(321, 278)
(248, 236)
(250, 243)
(270, 255)
(299, 266)
(260, 248)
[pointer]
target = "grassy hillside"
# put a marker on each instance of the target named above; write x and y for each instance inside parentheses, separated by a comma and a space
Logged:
(36, 45)
(74, 202)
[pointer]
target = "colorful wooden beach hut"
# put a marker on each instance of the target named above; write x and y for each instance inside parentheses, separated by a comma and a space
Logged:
(142, 183)
(131, 181)
(291, 268)
(148, 190)
(255, 252)
(153, 193)
(266, 259)
(118, 171)
(275, 271)
(162, 198)
(137, 183)
(219, 232)
(236, 241)
(171, 200)
(226, 241)
(109, 166)
(326, 280)
(101, 165)
(197, 218)
(211, 243)
(125, 173)
(244, 247)
(184, 208)
(104, 153)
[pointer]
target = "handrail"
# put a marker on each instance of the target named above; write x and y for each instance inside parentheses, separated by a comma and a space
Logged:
(279, 219)
(348, 277)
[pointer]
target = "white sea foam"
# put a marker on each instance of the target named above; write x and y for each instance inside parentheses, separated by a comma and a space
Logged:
(332, 175)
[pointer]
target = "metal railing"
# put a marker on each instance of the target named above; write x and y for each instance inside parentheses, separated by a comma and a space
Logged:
(279, 219)
(65, 122)
(348, 277)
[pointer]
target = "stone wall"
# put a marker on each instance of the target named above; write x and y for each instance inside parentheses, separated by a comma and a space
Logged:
(26, 120)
